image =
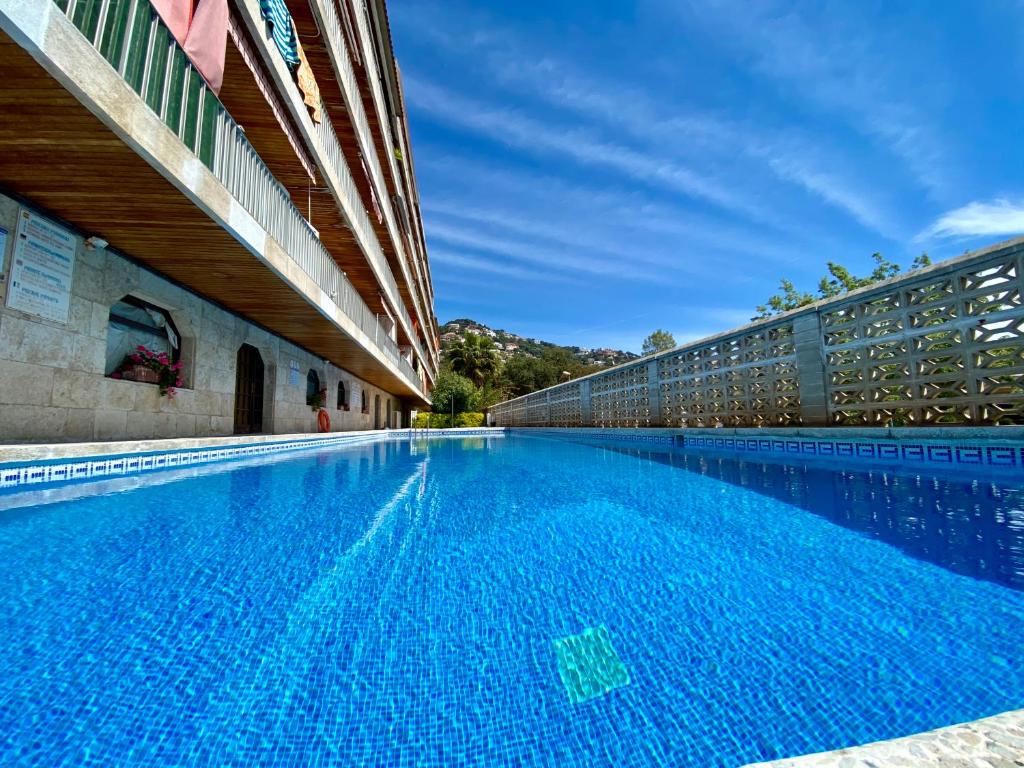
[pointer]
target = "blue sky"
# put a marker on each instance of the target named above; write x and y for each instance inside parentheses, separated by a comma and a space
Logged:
(590, 171)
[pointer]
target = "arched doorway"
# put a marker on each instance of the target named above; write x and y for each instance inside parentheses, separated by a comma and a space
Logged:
(376, 411)
(248, 391)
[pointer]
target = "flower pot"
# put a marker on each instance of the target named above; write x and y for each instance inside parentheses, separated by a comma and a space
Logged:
(142, 373)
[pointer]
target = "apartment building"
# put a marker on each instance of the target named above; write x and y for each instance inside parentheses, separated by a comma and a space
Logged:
(209, 219)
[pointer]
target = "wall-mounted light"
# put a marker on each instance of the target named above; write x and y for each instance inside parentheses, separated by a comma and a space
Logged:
(95, 243)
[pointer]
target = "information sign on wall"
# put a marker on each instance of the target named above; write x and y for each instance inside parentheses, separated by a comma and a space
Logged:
(42, 265)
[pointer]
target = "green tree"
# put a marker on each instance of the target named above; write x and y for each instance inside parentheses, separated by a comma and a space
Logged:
(561, 359)
(475, 358)
(659, 341)
(489, 394)
(452, 393)
(789, 298)
(838, 281)
(523, 374)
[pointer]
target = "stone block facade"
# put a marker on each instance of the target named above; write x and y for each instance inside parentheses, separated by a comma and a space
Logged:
(53, 386)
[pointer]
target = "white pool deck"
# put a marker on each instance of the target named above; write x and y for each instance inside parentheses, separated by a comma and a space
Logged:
(992, 742)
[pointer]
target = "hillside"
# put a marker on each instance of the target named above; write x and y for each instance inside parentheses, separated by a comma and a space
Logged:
(509, 344)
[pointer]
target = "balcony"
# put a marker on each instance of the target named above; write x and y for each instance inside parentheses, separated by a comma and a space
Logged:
(340, 183)
(111, 128)
(365, 81)
(329, 55)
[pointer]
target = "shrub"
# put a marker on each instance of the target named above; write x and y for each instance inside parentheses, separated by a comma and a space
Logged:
(469, 420)
(436, 420)
(444, 420)
(452, 393)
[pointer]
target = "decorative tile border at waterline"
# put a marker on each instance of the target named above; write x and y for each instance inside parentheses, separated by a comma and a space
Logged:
(18, 474)
(993, 741)
(962, 448)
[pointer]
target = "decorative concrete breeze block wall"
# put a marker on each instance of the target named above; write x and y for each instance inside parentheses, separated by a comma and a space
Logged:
(942, 345)
(52, 382)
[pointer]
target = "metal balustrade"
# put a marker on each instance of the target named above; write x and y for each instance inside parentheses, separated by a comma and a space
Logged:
(337, 49)
(939, 346)
(361, 16)
(132, 38)
(359, 220)
(355, 211)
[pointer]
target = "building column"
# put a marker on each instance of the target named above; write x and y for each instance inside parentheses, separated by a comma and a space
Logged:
(586, 414)
(654, 394)
(810, 366)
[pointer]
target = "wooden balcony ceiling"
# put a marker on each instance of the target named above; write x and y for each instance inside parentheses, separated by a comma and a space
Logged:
(330, 91)
(55, 153)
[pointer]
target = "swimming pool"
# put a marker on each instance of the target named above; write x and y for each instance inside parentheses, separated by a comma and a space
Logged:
(517, 600)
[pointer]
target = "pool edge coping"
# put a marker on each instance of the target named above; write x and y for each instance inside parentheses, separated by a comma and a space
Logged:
(970, 741)
(40, 465)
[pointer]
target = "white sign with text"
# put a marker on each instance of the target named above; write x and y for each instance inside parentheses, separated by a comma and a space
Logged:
(42, 266)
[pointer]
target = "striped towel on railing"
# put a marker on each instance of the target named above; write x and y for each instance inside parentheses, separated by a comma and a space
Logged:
(276, 14)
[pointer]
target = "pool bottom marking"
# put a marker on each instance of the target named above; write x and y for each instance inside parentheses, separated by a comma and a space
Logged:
(588, 665)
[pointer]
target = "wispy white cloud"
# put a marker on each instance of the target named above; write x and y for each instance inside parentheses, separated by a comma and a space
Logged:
(831, 62)
(551, 257)
(515, 129)
(834, 190)
(619, 222)
(672, 132)
(475, 263)
(607, 239)
(998, 217)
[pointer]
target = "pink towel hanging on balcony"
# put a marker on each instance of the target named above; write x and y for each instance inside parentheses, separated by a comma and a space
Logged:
(201, 29)
(177, 15)
(207, 38)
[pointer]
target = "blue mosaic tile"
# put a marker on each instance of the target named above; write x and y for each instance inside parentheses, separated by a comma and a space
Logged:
(1001, 456)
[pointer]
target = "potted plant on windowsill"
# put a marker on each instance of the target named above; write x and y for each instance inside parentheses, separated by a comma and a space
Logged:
(318, 401)
(145, 365)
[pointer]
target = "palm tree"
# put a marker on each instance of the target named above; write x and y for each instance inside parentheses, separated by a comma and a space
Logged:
(475, 358)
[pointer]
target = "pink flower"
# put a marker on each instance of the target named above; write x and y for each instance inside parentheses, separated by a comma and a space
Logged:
(135, 358)
(178, 382)
(141, 348)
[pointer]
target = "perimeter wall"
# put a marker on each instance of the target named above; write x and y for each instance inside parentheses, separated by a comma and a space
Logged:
(941, 345)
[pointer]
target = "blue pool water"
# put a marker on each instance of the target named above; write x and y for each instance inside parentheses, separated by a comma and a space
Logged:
(398, 604)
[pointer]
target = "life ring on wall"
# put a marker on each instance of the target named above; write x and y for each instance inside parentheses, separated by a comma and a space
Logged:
(323, 420)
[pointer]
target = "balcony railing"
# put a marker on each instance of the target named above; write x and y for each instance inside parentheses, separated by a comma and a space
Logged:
(340, 57)
(133, 39)
(359, 220)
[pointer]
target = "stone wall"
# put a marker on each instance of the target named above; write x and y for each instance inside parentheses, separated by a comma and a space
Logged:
(52, 382)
